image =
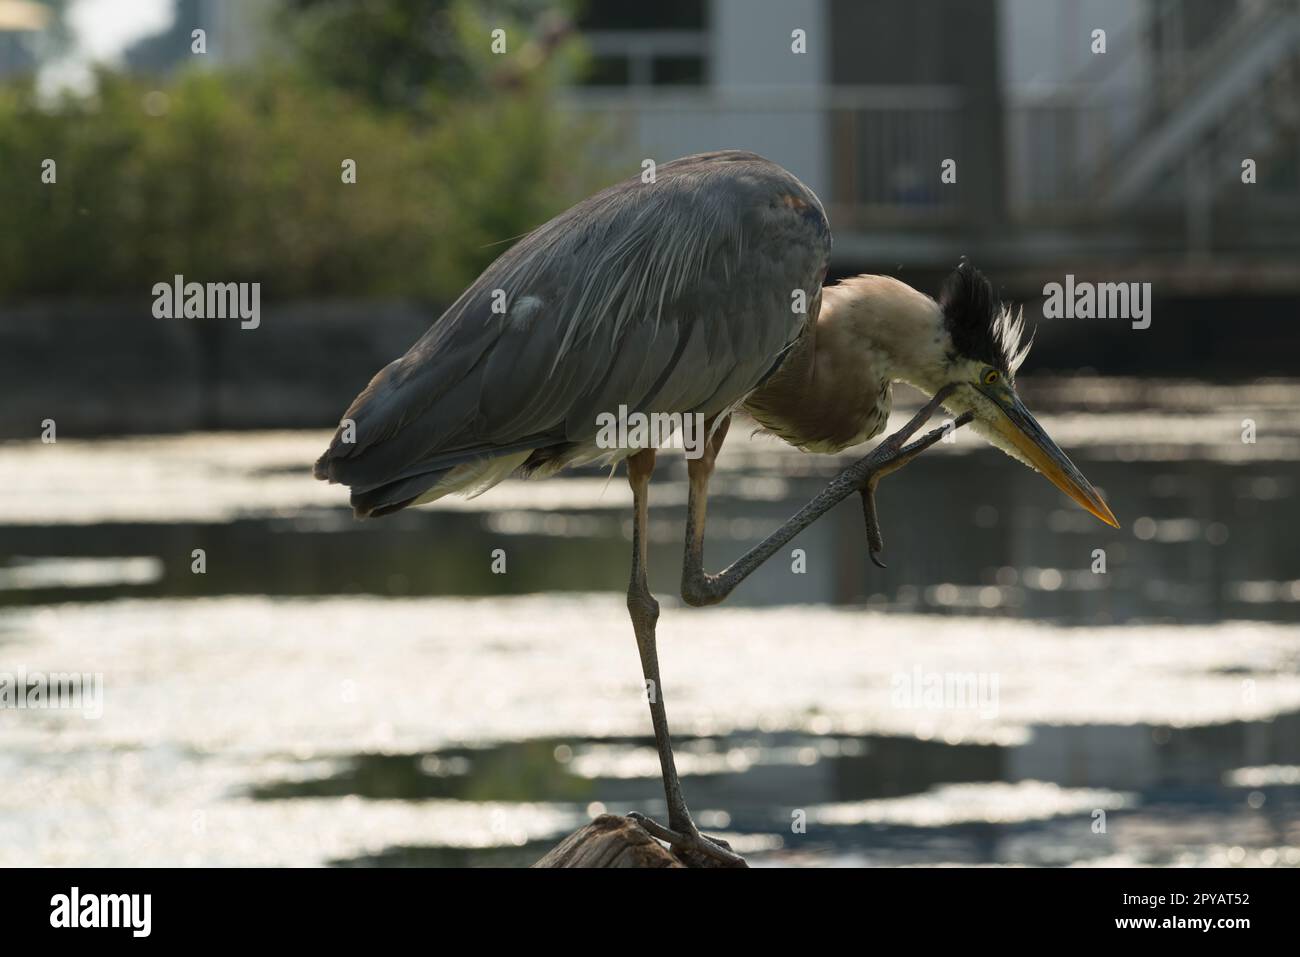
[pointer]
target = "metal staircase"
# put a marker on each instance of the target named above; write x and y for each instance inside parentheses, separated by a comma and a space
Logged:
(1224, 86)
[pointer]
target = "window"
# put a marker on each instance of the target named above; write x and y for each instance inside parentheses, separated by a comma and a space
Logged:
(644, 45)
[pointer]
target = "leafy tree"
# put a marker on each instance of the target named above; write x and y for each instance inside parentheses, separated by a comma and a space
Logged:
(413, 54)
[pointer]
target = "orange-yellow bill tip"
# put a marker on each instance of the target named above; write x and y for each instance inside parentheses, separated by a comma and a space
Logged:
(1037, 448)
(1071, 481)
(1099, 508)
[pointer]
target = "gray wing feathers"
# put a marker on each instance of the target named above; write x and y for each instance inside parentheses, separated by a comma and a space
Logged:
(642, 295)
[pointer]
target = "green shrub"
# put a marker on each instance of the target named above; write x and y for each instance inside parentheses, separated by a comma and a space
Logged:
(236, 177)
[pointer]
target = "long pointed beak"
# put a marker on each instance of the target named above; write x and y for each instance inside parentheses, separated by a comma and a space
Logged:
(1023, 431)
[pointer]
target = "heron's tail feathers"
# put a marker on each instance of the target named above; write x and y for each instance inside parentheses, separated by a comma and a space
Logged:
(469, 478)
(394, 496)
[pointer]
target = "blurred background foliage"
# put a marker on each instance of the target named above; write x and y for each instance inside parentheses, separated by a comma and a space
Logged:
(236, 174)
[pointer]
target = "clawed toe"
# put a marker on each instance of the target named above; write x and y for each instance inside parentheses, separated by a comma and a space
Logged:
(690, 845)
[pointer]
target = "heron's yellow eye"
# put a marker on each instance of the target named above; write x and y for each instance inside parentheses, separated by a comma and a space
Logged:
(991, 377)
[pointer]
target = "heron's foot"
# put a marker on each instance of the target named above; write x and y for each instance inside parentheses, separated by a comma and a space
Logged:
(692, 847)
(875, 542)
(893, 455)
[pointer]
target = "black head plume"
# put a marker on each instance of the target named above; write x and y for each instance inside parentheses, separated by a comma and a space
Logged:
(981, 327)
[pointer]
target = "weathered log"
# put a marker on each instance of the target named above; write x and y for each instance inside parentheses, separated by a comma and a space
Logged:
(610, 841)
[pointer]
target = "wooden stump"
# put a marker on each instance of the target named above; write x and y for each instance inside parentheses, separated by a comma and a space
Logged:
(609, 841)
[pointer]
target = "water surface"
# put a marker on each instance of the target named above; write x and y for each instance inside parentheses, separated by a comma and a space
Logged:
(332, 692)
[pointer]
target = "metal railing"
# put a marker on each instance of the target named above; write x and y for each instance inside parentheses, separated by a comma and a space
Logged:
(873, 153)
(886, 150)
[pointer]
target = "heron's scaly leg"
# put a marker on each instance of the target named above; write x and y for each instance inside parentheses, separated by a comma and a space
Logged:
(644, 611)
(701, 588)
(697, 585)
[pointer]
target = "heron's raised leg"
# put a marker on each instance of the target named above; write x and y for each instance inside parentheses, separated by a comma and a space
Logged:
(701, 588)
(681, 831)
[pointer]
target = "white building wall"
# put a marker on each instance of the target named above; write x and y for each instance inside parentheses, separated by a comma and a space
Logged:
(1047, 44)
(237, 29)
(752, 39)
(760, 95)
(1066, 105)
(753, 61)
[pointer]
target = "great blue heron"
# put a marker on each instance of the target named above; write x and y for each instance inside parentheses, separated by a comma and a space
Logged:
(682, 295)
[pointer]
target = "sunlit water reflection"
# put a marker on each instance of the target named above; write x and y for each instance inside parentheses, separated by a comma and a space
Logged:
(327, 692)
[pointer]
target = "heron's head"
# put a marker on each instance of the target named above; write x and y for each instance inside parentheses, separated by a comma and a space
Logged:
(987, 347)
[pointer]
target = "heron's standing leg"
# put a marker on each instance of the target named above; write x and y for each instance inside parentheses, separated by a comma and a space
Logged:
(644, 611)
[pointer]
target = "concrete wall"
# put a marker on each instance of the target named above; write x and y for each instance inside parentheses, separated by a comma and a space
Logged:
(100, 369)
